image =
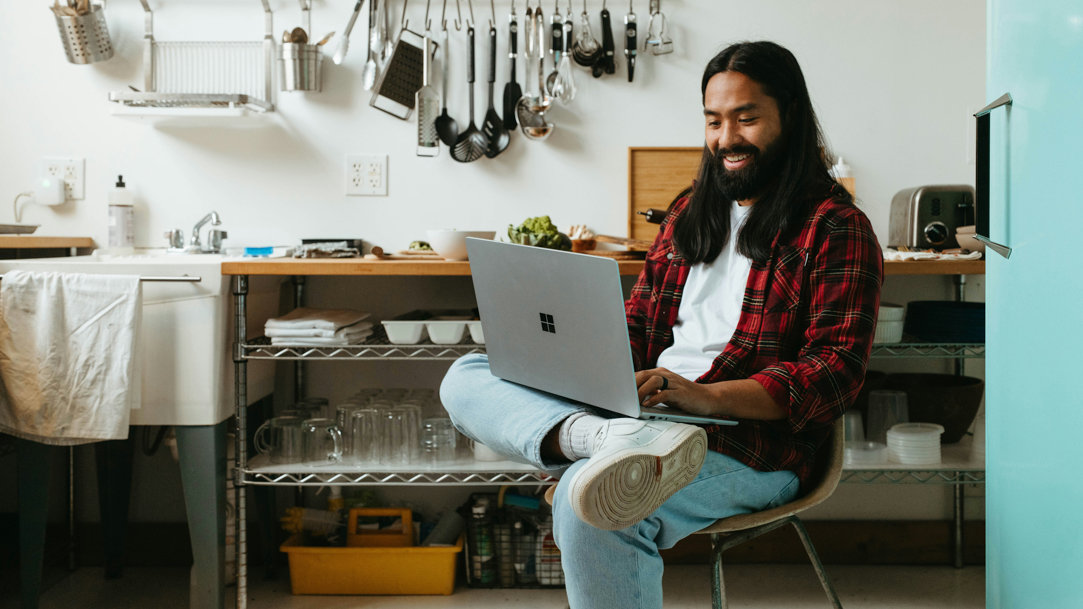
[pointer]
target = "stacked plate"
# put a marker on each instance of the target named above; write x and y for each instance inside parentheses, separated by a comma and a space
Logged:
(914, 443)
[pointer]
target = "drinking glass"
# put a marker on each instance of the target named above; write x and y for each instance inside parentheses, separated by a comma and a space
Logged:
(322, 441)
(366, 433)
(439, 441)
(280, 439)
(395, 450)
(886, 408)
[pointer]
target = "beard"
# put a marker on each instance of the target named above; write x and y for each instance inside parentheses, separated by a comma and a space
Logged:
(750, 181)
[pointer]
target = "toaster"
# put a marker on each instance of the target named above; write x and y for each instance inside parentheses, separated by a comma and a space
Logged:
(926, 217)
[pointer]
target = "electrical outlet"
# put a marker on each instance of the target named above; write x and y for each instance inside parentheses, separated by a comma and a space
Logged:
(69, 169)
(366, 175)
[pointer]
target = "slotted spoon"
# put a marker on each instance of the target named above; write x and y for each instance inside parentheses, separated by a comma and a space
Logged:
(472, 143)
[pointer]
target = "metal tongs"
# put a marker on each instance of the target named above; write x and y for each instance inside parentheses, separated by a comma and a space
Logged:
(658, 41)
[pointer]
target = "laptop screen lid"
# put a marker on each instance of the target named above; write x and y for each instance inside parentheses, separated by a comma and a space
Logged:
(554, 321)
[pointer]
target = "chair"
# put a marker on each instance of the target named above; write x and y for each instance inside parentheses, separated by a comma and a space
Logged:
(729, 532)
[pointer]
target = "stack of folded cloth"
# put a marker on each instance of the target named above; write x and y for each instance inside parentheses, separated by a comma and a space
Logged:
(305, 326)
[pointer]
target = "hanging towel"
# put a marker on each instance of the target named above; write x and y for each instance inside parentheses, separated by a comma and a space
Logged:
(68, 370)
(316, 332)
(321, 319)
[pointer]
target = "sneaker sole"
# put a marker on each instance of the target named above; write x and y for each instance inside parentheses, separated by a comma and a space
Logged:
(624, 488)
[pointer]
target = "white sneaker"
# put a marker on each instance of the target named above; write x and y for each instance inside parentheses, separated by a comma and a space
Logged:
(636, 466)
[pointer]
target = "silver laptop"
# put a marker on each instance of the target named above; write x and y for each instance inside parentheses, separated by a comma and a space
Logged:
(555, 321)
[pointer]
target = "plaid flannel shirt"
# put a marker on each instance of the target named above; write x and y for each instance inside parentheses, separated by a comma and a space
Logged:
(805, 331)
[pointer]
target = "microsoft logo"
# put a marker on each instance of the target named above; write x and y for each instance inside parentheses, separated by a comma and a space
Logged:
(547, 323)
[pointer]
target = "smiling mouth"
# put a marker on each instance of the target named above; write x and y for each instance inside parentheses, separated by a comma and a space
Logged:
(736, 161)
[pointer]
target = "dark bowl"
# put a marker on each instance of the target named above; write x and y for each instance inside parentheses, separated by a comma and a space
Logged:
(945, 399)
(945, 321)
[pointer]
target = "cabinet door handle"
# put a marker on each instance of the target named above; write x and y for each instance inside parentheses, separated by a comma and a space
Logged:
(981, 190)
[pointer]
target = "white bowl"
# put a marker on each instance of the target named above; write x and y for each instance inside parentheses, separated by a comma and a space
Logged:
(476, 333)
(451, 244)
(888, 332)
(891, 312)
(404, 332)
(446, 331)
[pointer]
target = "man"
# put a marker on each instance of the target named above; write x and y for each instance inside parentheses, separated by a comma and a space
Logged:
(757, 301)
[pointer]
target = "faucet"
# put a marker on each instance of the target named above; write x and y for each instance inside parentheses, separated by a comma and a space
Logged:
(214, 236)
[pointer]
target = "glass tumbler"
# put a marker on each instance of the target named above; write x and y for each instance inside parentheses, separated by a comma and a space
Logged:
(439, 441)
(322, 441)
(343, 414)
(280, 439)
(366, 435)
(395, 449)
(886, 408)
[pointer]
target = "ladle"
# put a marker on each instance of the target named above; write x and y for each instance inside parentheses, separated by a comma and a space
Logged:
(446, 127)
(531, 107)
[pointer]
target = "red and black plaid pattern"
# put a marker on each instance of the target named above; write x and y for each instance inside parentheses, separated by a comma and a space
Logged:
(805, 331)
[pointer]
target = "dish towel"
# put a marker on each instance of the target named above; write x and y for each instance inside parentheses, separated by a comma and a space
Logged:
(317, 319)
(67, 356)
(341, 338)
(357, 328)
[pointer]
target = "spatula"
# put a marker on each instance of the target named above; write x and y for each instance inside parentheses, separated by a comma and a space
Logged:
(493, 127)
(512, 90)
(472, 143)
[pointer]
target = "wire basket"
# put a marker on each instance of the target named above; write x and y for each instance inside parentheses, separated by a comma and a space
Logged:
(510, 547)
(85, 37)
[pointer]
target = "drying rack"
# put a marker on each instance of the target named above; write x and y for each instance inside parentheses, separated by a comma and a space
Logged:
(202, 79)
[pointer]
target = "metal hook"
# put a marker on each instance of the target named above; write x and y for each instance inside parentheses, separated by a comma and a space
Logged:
(459, 19)
(470, 3)
(403, 21)
(428, 22)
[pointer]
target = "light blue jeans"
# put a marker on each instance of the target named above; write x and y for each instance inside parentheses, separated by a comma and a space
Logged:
(602, 569)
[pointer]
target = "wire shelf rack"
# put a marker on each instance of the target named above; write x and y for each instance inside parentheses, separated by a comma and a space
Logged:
(376, 347)
(929, 350)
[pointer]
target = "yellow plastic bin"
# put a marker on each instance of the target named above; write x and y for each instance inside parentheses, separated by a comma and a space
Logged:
(410, 570)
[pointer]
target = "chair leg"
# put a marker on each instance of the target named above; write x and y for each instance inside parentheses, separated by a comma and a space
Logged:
(718, 581)
(816, 564)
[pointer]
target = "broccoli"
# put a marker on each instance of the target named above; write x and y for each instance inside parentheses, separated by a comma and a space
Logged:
(539, 232)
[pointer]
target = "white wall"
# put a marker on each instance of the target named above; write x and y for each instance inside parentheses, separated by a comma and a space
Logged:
(892, 81)
(894, 84)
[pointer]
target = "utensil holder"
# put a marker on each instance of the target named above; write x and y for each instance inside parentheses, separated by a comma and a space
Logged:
(85, 37)
(300, 66)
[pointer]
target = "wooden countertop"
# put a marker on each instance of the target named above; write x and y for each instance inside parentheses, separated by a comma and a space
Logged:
(32, 242)
(361, 267)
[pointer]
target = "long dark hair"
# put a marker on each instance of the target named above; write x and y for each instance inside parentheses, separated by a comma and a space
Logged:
(803, 179)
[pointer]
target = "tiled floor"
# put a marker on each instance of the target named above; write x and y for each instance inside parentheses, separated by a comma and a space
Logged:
(686, 586)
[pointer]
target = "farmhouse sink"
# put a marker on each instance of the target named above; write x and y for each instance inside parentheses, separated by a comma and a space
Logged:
(186, 332)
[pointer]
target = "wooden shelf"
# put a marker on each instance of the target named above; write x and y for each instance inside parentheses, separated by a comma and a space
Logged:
(934, 267)
(362, 267)
(357, 266)
(31, 242)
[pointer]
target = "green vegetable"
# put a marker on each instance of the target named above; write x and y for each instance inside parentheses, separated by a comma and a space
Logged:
(539, 232)
(420, 246)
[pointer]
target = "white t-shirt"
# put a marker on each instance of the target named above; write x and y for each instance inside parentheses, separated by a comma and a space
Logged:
(710, 307)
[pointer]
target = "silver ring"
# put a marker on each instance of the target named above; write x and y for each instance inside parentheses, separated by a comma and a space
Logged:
(665, 384)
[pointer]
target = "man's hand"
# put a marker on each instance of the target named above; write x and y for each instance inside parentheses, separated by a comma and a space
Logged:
(741, 399)
(659, 385)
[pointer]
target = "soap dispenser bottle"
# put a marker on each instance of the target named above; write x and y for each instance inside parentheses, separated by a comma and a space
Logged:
(121, 218)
